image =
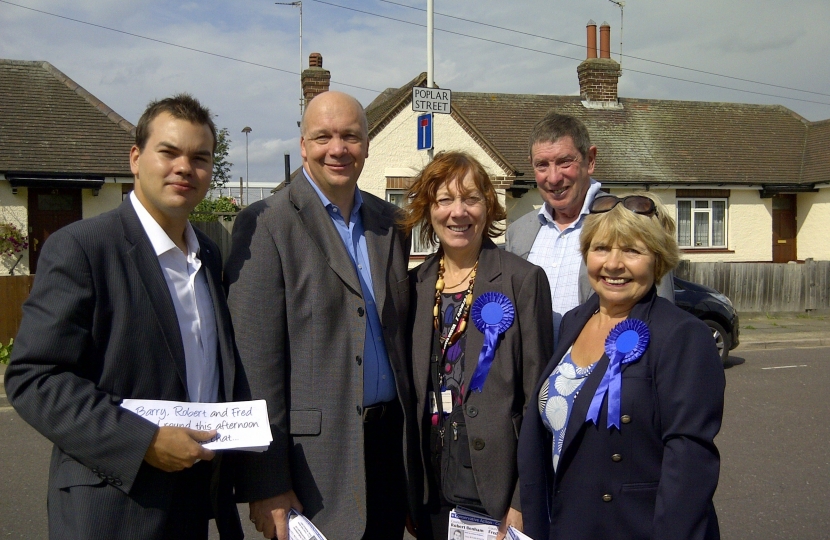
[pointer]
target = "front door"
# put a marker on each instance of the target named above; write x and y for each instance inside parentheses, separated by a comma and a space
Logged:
(784, 228)
(49, 210)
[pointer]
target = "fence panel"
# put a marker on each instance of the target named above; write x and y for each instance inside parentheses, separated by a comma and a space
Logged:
(219, 232)
(14, 290)
(765, 287)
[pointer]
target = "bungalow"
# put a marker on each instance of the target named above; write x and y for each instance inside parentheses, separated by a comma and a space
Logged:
(746, 183)
(63, 155)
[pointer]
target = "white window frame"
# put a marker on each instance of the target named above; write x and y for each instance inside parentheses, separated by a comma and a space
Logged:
(426, 250)
(708, 213)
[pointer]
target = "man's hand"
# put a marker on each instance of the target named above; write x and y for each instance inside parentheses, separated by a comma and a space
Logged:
(175, 448)
(512, 517)
(271, 515)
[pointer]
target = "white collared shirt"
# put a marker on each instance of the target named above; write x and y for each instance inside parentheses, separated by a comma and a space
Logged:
(194, 306)
(557, 252)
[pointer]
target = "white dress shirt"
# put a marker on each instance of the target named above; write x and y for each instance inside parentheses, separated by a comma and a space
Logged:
(557, 252)
(194, 306)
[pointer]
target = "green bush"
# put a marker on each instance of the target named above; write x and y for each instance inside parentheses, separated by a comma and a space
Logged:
(6, 352)
(204, 211)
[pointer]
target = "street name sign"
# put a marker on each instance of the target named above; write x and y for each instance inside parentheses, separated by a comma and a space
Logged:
(431, 100)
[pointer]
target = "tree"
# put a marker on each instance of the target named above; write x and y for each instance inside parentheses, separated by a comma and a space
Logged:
(221, 165)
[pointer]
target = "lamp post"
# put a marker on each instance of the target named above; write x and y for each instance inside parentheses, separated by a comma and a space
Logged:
(246, 130)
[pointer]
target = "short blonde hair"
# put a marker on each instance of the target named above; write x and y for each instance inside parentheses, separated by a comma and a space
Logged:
(621, 226)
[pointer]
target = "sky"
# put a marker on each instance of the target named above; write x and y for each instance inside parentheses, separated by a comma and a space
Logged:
(248, 70)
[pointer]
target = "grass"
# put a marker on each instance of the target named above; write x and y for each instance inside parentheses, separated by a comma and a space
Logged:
(749, 327)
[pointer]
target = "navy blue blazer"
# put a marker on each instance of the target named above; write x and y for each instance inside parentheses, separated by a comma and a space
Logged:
(654, 477)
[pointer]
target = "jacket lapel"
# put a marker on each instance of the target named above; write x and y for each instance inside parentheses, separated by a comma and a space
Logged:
(318, 223)
(210, 265)
(378, 229)
(148, 269)
(488, 278)
(422, 331)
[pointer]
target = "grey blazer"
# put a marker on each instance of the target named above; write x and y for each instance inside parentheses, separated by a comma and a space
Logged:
(298, 312)
(493, 416)
(522, 233)
(100, 326)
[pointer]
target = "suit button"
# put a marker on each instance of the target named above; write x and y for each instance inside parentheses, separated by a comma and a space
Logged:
(360, 311)
(616, 458)
(358, 359)
(359, 410)
(478, 443)
(625, 419)
(607, 497)
(472, 411)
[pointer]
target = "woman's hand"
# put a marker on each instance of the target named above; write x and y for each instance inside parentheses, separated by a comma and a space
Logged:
(512, 518)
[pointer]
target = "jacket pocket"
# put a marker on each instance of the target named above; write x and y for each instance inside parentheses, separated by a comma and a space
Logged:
(305, 421)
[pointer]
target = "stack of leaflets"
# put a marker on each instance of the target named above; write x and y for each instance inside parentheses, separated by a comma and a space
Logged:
(466, 524)
(301, 528)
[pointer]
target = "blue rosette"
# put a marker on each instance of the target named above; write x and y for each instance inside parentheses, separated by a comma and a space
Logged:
(625, 344)
(492, 313)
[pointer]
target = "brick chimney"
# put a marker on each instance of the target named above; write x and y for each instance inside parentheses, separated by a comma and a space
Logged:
(315, 79)
(598, 76)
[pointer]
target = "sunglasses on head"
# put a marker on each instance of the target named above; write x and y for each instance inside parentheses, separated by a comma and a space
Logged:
(636, 203)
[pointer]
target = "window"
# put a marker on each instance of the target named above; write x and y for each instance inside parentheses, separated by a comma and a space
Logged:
(701, 223)
(418, 248)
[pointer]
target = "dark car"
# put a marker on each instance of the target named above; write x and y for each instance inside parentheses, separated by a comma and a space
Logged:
(713, 308)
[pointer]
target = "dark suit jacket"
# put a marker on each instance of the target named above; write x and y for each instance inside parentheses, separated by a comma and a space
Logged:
(494, 415)
(298, 310)
(662, 486)
(100, 326)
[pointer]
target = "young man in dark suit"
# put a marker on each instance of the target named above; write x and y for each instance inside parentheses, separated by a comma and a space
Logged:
(129, 304)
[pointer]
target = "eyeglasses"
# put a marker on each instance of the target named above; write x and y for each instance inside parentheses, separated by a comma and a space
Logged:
(636, 203)
(468, 201)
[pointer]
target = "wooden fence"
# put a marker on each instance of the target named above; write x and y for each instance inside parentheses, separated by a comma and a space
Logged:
(765, 287)
(14, 290)
(219, 232)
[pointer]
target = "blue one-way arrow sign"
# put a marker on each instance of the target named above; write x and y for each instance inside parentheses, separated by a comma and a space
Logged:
(425, 131)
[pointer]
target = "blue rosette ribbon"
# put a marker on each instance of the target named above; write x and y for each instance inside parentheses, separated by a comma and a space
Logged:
(625, 344)
(492, 313)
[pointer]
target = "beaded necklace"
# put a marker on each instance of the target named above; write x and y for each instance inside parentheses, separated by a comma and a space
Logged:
(460, 323)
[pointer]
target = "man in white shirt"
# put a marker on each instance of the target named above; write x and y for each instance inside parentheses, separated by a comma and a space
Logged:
(130, 304)
(563, 160)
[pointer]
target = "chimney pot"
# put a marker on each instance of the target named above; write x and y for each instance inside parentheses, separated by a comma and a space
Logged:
(315, 80)
(592, 39)
(605, 40)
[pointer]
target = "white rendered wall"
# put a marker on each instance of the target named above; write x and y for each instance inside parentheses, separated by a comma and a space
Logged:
(13, 209)
(814, 225)
(395, 148)
(749, 226)
(108, 198)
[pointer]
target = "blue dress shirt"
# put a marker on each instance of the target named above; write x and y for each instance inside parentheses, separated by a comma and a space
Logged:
(378, 380)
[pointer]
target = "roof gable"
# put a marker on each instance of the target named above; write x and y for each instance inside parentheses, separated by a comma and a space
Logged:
(50, 125)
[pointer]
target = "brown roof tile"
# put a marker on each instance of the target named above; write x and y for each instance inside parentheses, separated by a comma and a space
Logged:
(653, 141)
(50, 124)
(817, 153)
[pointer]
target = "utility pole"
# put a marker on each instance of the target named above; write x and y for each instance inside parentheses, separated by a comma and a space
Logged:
(430, 55)
(299, 4)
